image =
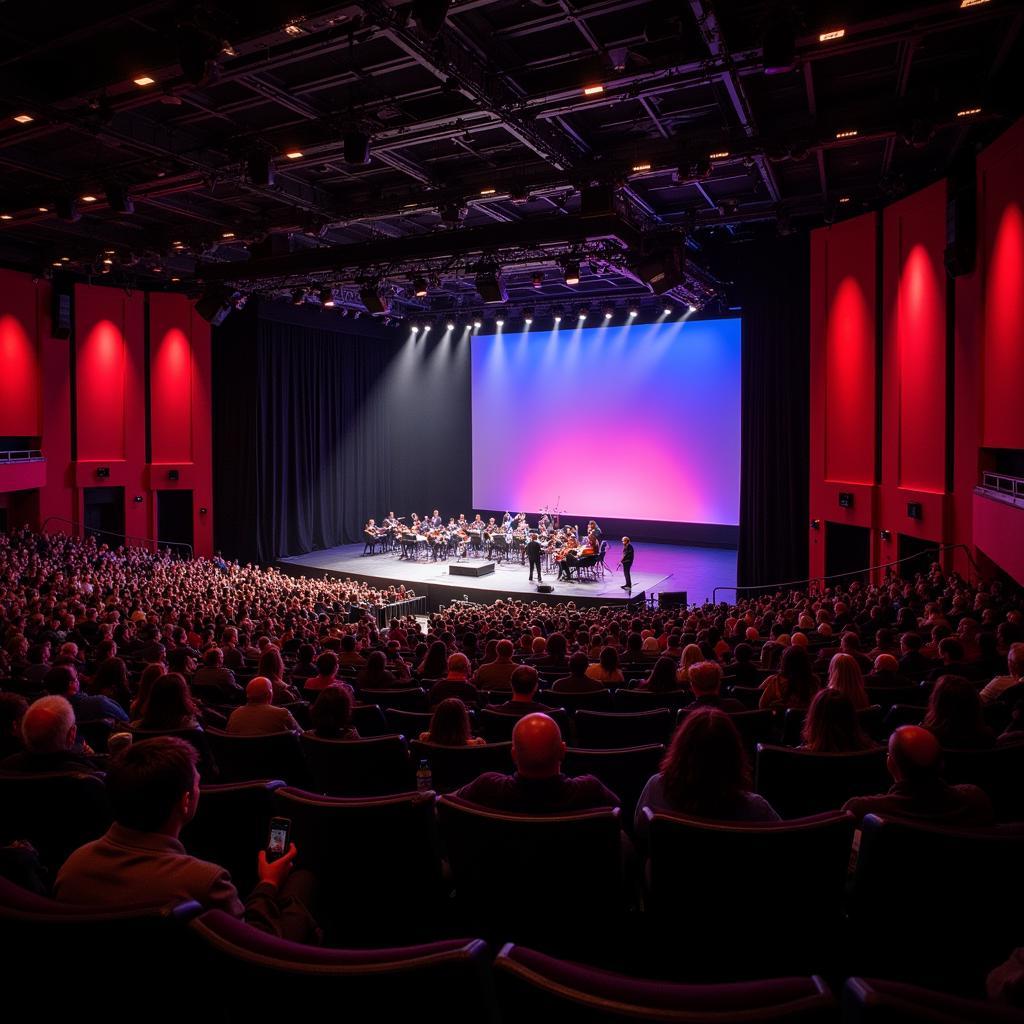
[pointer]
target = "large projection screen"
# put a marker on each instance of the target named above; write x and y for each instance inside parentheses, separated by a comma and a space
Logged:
(635, 422)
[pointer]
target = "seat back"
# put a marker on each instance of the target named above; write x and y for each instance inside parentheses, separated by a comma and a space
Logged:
(451, 767)
(255, 975)
(247, 758)
(496, 859)
(999, 771)
(599, 700)
(743, 873)
(409, 698)
(209, 770)
(55, 811)
(798, 783)
(877, 1001)
(497, 726)
(364, 767)
(624, 770)
(534, 986)
(647, 700)
(886, 696)
(377, 859)
(603, 730)
(408, 723)
(369, 720)
(231, 826)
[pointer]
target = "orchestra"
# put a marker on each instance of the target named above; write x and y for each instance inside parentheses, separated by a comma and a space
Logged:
(566, 550)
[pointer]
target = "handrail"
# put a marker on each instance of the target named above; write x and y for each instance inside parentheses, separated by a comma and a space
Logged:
(22, 455)
(856, 572)
(125, 537)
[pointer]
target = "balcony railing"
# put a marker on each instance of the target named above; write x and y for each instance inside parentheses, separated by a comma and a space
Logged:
(25, 455)
(1002, 487)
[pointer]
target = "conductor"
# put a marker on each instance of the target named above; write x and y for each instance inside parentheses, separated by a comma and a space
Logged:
(627, 563)
(533, 550)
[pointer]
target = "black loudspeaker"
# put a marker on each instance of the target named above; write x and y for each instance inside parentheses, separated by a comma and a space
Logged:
(961, 222)
(845, 499)
(356, 145)
(544, 588)
(61, 313)
(672, 599)
(102, 472)
(172, 474)
(214, 305)
(914, 510)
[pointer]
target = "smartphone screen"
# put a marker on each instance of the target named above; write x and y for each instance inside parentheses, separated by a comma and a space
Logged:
(277, 844)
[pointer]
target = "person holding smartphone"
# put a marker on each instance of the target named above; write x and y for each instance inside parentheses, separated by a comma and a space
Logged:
(153, 786)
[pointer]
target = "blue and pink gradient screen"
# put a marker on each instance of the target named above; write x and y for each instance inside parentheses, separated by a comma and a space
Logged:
(622, 422)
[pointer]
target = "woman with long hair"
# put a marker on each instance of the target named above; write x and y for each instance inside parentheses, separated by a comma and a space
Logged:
(955, 716)
(606, 671)
(332, 714)
(793, 685)
(170, 705)
(832, 725)
(705, 774)
(662, 678)
(271, 665)
(690, 656)
(844, 675)
(450, 726)
(435, 663)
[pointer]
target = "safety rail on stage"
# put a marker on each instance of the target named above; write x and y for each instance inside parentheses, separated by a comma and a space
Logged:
(793, 584)
(410, 606)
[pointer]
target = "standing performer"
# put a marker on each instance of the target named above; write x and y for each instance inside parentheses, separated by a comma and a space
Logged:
(533, 555)
(627, 563)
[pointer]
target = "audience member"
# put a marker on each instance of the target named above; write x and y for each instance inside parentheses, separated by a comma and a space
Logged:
(845, 676)
(332, 714)
(706, 681)
(832, 725)
(577, 681)
(793, 685)
(258, 716)
(450, 726)
(955, 716)
(497, 674)
(50, 740)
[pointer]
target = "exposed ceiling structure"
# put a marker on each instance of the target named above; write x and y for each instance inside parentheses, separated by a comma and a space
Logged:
(434, 154)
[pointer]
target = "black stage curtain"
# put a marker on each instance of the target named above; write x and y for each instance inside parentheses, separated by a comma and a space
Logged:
(773, 284)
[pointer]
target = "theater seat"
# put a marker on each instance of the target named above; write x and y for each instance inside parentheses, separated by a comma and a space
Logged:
(55, 811)
(497, 858)
(376, 859)
(600, 730)
(231, 826)
(876, 1001)
(363, 767)
(452, 767)
(646, 700)
(209, 771)
(369, 720)
(410, 698)
(408, 723)
(83, 950)
(599, 700)
(624, 770)
(497, 726)
(534, 986)
(259, 977)
(999, 771)
(798, 783)
(244, 758)
(960, 893)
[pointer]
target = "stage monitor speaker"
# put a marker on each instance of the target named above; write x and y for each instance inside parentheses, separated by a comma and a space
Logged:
(545, 588)
(60, 314)
(672, 599)
(477, 567)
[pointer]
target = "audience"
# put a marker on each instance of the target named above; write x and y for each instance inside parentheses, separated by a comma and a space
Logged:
(832, 725)
(456, 682)
(844, 675)
(496, 674)
(706, 681)
(50, 740)
(258, 716)
(955, 716)
(793, 685)
(524, 681)
(998, 687)
(606, 670)
(332, 714)
(450, 726)
(577, 681)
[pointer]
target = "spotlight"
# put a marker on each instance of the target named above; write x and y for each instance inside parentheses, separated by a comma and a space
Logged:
(557, 314)
(430, 16)
(634, 310)
(298, 296)
(583, 313)
(426, 328)
(691, 309)
(373, 300)
(414, 329)
(500, 322)
(667, 310)
(88, 198)
(609, 312)
(327, 297)
(528, 316)
(419, 287)
(572, 271)
(450, 325)
(477, 324)
(538, 280)
(357, 147)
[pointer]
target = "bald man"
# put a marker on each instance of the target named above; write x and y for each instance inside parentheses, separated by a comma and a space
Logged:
(50, 736)
(258, 716)
(538, 785)
(919, 793)
(886, 672)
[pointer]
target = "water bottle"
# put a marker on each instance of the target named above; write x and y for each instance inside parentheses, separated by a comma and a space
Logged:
(424, 777)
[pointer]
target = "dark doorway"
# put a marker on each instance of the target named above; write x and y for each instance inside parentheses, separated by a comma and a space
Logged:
(3, 520)
(847, 550)
(174, 518)
(104, 514)
(920, 552)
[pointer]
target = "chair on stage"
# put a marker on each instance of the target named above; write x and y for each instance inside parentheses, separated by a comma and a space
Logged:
(498, 548)
(371, 543)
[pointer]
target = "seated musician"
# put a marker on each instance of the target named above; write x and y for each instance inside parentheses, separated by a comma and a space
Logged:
(436, 522)
(370, 529)
(477, 524)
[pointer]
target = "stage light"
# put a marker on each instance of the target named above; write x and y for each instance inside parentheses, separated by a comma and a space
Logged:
(571, 272)
(969, 112)
(24, 118)
(43, 209)
(144, 80)
(558, 320)
(691, 308)
(964, 4)
(228, 234)
(88, 198)
(477, 324)
(373, 300)
(667, 310)
(499, 322)
(451, 325)
(414, 329)
(327, 297)
(490, 285)
(609, 312)
(720, 155)
(584, 312)
(528, 316)
(640, 168)
(827, 37)
(108, 261)
(488, 191)
(430, 15)
(537, 280)
(849, 133)
(419, 287)
(356, 145)
(634, 310)
(593, 90)
(298, 296)
(426, 328)
(844, 199)
(295, 154)
(6, 216)
(528, 320)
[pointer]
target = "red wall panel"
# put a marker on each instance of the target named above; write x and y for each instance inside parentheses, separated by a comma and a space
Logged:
(998, 529)
(1001, 248)
(20, 404)
(170, 393)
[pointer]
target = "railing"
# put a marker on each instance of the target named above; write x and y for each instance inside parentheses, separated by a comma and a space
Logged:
(124, 538)
(938, 549)
(410, 606)
(1002, 487)
(23, 455)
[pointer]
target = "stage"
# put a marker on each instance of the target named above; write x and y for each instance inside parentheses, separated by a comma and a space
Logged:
(658, 567)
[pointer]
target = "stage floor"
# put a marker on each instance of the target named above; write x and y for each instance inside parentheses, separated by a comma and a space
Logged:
(658, 567)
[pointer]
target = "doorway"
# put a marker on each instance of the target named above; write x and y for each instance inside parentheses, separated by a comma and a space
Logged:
(104, 514)
(920, 552)
(174, 518)
(847, 550)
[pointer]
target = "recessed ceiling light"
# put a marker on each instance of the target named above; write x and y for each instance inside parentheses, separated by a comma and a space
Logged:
(593, 90)
(294, 154)
(108, 261)
(720, 155)
(57, 263)
(228, 234)
(488, 191)
(827, 37)
(43, 209)
(638, 168)
(65, 259)
(175, 278)
(6, 216)
(144, 80)
(969, 112)
(971, 3)
(844, 199)
(88, 198)
(848, 134)
(24, 118)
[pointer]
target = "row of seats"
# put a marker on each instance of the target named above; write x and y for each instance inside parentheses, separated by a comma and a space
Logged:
(231, 971)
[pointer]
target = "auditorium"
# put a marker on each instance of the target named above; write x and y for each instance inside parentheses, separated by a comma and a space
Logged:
(512, 509)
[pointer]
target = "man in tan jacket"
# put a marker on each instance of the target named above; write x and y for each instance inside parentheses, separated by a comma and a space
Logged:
(258, 716)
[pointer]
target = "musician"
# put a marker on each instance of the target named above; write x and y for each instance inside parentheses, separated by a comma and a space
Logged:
(533, 551)
(415, 525)
(506, 522)
(371, 529)
(627, 563)
(595, 530)
(436, 522)
(477, 524)
(390, 522)
(462, 521)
